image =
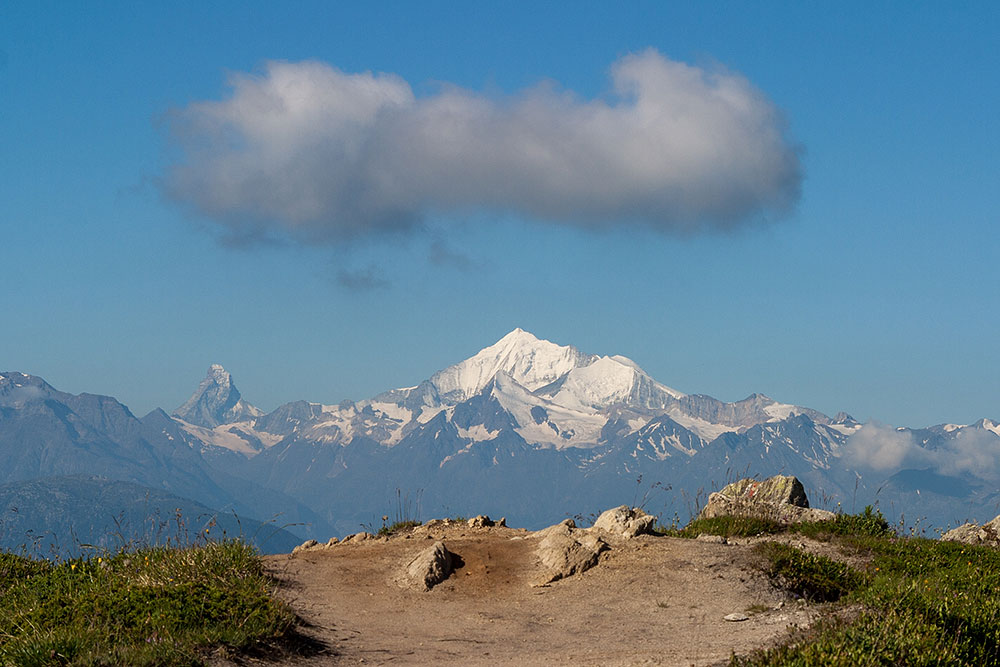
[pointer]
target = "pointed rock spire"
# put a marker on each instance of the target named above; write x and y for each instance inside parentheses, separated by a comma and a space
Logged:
(216, 401)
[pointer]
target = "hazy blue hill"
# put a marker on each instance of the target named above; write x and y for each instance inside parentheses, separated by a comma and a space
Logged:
(61, 514)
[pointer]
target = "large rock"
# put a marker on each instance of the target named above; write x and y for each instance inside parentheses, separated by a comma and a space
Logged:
(780, 498)
(972, 533)
(625, 521)
(564, 554)
(430, 567)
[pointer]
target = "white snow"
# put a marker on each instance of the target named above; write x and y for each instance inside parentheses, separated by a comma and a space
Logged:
(599, 385)
(564, 428)
(948, 428)
(990, 426)
(705, 430)
(532, 362)
(220, 436)
(477, 433)
(780, 411)
(844, 428)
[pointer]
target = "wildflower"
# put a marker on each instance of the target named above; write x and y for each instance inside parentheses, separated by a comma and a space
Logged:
(72, 566)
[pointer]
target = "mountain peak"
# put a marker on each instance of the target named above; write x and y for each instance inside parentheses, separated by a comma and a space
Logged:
(519, 335)
(216, 401)
(530, 361)
(17, 387)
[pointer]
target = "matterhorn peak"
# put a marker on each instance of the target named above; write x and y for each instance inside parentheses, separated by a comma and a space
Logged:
(216, 401)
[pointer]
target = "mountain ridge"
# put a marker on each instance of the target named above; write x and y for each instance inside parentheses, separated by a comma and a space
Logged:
(524, 426)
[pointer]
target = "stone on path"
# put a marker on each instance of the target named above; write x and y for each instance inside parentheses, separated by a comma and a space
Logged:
(625, 521)
(430, 567)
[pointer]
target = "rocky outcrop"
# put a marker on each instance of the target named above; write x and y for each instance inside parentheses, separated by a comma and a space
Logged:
(481, 521)
(565, 550)
(972, 533)
(305, 546)
(429, 567)
(625, 521)
(780, 498)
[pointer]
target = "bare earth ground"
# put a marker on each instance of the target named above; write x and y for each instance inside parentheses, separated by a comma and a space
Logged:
(650, 601)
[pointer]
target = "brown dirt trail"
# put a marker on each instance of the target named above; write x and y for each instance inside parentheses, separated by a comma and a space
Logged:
(650, 601)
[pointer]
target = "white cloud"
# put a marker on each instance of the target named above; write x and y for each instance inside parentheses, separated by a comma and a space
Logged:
(975, 452)
(318, 154)
(884, 448)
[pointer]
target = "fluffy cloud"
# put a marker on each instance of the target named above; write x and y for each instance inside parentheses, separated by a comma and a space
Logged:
(308, 151)
(884, 448)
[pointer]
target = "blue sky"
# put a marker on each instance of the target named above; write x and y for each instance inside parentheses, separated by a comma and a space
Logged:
(875, 292)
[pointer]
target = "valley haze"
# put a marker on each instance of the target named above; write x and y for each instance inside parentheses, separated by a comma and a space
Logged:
(526, 428)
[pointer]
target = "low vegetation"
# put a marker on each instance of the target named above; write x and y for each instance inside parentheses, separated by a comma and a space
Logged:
(869, 522)
(914, 601)
(396, 527)
(154, 606)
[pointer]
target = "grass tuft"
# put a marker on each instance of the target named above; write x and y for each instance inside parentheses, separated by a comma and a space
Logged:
(398, 526)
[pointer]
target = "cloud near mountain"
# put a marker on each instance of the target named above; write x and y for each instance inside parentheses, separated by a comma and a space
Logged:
(971, 450)
(308, 151)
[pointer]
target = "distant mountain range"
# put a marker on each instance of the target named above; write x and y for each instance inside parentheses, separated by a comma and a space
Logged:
(525, 428)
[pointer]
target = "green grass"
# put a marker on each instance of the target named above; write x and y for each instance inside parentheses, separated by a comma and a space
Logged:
(156, 606)
(869, 522)
(386, 531)
(726, 526)
(918, 602)
(815, 578)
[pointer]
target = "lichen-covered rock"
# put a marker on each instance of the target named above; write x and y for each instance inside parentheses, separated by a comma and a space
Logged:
(625, 521)
(429, 567)
(780, 489)
(972, 533)
(780, 498)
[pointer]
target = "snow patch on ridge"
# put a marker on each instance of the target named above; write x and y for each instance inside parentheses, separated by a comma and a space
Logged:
(705, 430)
(563, 427)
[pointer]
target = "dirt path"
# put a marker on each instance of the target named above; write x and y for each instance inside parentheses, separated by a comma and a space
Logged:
(650, 600)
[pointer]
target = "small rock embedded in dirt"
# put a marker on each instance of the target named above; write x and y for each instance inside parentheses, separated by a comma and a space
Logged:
(430, 567)
(735, 617)
(333, 541)
(308, 544)
(625, 521)
(357, 537)
(713, 539)
(481, 521)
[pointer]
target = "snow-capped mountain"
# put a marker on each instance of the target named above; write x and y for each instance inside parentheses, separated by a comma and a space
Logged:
(553, 396)
(525, 428)
(216, 401)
